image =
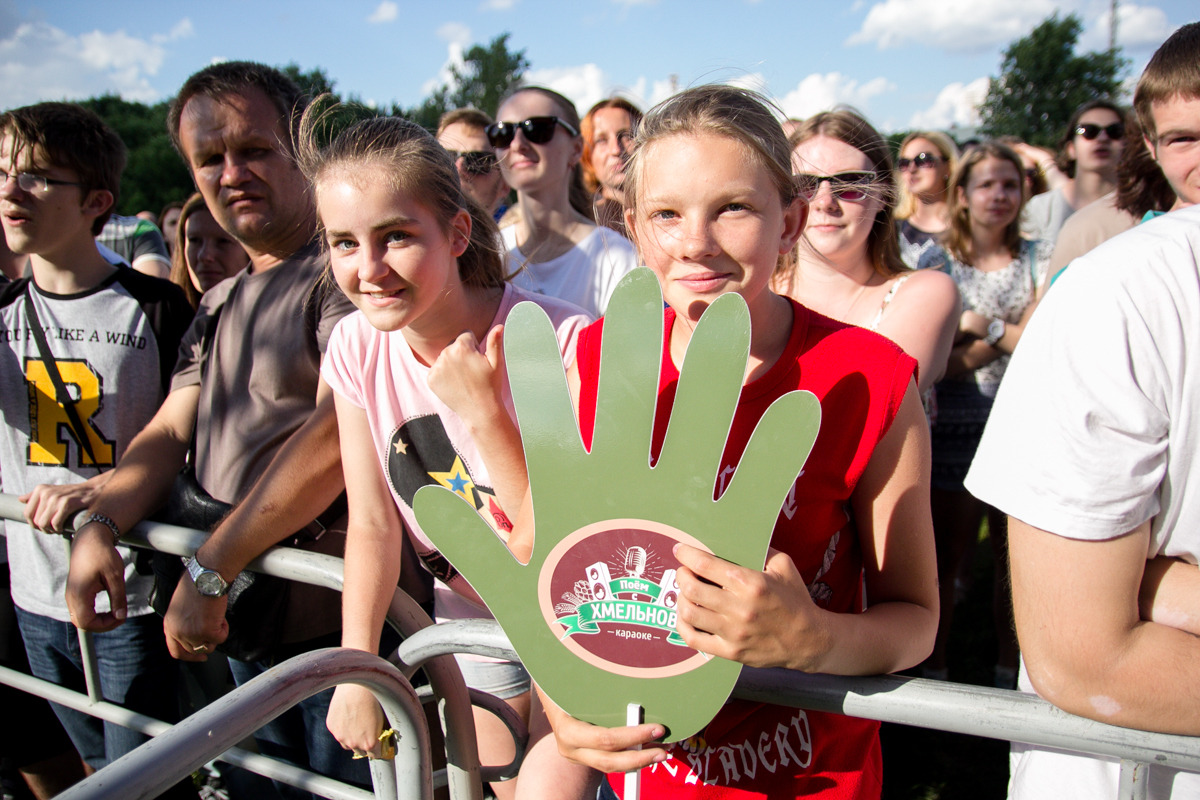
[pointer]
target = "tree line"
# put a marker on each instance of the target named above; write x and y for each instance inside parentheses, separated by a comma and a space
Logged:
(1041, 81)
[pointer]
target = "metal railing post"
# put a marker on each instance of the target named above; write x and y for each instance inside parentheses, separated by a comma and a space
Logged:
(155, 766)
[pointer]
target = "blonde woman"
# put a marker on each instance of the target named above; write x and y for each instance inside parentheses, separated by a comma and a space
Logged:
(927, 159)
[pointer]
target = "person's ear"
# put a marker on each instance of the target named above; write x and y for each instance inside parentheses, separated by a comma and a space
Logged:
(795, 215)
(97, 202)
(460, 232)
(577, 151)
(1151, 146)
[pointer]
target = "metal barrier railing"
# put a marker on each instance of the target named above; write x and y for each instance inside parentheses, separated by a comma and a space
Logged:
(462, 774)
(957, 708)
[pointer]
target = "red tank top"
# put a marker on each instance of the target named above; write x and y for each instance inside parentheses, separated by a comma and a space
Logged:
(753, 749)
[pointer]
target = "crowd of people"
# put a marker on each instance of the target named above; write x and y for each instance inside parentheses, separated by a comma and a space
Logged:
(317, 333)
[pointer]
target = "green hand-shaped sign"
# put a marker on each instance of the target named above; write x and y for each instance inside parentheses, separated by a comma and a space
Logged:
(592, 613)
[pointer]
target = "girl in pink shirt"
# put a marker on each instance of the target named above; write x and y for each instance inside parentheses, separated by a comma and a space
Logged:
(422, 398)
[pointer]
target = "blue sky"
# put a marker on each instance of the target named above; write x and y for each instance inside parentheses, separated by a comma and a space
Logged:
(905, 63)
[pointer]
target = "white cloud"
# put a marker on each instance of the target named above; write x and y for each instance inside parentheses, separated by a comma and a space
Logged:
(41, 62)
(955, 25)
(387, 11)
(455, 33)
(182, 30)
(754, 81)
(957, 105)
(1138, 28)
(457, 36)
(498, 5)
(584, 85)
(822, 92)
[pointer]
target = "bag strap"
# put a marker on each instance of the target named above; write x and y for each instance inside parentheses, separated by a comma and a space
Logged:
(60, 389)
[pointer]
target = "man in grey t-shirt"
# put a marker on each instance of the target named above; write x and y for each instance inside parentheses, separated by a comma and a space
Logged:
(266, 435)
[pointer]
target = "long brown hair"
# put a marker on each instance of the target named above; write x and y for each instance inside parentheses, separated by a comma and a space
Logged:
(179, 270)
(847, 125)
(408, 156)
(957, 239)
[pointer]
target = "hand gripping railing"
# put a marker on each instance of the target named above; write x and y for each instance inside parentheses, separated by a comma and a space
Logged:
(958, 708)
(462, 774)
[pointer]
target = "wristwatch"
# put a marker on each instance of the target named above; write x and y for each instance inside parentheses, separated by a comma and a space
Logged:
(995, 332)
(208, 582)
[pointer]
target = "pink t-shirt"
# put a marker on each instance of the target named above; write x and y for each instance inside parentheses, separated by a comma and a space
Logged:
(422, 442)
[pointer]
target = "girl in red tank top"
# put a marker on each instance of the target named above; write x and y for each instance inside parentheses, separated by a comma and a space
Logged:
(712, 206)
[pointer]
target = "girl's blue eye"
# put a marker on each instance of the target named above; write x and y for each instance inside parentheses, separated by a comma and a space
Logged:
(396, 236)
(342, 244)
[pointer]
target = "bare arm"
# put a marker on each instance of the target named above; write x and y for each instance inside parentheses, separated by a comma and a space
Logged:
(372, 569)
(1085, 646)
(136, 488)
(1170, 594)
(303, 479)
(971, 352)
(923, 320)
(768, 619)
(470, 383)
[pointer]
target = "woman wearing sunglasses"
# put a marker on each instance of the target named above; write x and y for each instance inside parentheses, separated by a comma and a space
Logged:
(554, 243)
(848, 263)
(927, 158)
(1088, 153)
(997, 273)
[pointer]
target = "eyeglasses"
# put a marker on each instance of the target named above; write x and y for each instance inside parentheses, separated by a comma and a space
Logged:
(475, 162)
(920, 161)
(851, 186)
(35, 184)
(537, 130)
(1090, 131)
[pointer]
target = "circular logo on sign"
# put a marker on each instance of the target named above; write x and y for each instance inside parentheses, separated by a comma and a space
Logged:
(608, 592)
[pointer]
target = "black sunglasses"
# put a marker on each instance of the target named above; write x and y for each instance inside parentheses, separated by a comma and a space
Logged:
(1090, 131)
(537, 130)
(475, 162)
(852, 186)
(921, 160)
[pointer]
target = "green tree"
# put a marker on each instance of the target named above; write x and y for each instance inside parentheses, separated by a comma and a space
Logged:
(1042, 81)
(486, 75)
(313, 82)
(155, 174)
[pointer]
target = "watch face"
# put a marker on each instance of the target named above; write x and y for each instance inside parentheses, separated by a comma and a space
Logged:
(210, 583)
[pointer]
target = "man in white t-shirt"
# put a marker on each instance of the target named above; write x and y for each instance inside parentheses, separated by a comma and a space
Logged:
(1089, 449)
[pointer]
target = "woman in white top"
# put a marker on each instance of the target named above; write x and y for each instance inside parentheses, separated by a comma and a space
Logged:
(848, 263)
(555, 244)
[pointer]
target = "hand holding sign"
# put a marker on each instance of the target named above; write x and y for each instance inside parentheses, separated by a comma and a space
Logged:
(592, 613)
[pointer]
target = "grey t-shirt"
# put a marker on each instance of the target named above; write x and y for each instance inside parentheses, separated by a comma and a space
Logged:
(260, 382)
(114, 345)
(259, 387)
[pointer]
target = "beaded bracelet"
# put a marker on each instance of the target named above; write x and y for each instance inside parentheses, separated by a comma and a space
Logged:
(112, 526)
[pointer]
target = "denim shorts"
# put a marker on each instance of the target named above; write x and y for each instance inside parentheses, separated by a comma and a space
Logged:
(504, 679)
